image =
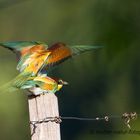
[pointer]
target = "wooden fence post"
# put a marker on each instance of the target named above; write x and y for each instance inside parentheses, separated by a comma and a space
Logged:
(41, 107)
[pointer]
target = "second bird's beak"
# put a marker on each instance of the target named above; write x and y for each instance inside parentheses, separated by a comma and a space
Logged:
(65, 83)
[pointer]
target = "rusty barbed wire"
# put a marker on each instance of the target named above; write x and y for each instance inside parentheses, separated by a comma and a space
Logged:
(126, 117)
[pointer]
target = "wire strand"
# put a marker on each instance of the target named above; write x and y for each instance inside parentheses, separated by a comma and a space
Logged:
(126, 117)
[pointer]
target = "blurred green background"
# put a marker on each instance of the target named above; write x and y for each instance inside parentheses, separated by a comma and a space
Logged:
(102, 82)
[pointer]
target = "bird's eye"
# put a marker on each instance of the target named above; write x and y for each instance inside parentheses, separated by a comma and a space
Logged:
(36, 85)
(60, 81)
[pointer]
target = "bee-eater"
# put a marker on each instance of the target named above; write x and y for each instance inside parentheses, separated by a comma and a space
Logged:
(43, 84)
(37, 85)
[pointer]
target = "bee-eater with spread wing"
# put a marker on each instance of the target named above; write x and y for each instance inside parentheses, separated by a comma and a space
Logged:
(36, 57)
(30, 51)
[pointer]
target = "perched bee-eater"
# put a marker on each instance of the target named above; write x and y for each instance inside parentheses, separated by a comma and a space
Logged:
(43, 84)
(37, 85)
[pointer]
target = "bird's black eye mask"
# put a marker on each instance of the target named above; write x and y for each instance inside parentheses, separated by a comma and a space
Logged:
(60, 81)
(36, 85)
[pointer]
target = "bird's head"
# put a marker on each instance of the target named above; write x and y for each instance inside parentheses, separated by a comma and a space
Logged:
(60, 83)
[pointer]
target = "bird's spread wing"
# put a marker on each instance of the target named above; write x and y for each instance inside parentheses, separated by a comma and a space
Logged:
(22, 47)
(60, 52)
(17, 83)
(33, 60)
(30, 54)
(20, 79)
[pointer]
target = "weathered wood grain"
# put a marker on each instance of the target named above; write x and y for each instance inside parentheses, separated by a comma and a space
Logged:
(41, 107)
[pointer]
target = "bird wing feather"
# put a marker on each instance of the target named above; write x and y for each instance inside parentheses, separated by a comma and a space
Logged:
(34, 60)
(47, 82)
(60, 52)
(22, 47)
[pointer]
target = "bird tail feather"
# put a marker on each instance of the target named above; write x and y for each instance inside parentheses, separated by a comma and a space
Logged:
(15, 84)
(8, 88)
